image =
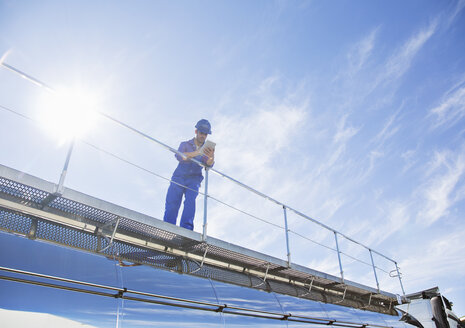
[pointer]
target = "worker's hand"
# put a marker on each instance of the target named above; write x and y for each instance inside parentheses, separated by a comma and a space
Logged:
(210, 152)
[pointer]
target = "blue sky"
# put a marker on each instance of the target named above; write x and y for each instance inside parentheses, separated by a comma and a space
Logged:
(349, 111)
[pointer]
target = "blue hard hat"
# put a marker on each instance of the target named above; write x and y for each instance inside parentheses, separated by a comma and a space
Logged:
(204, 126)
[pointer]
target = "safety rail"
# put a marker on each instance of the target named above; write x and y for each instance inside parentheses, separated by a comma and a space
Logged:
(206, 195)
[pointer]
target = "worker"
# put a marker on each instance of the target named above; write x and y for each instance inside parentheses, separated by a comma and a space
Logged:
(187, 176)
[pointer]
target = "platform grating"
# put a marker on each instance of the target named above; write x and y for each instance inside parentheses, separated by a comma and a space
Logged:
(21, 191)
(72, 207)
(67, 237)
(15, 222)
(128, 254)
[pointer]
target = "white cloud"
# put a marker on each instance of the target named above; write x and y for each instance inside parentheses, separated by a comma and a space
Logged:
(388, 218)
(326, 264)
(441, 258)
(253, 139)
(266, 84)
(395, 215)
(366, 74)
(331, 205)
(400, 62)
(444, 173)
(360, 52)
(343, 132)
(458, 9)
(389, 129)
(374, 155)
(384, 74)
(410, 159)
(451, 109)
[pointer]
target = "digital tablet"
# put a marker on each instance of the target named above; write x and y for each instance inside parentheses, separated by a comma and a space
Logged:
(207, 144)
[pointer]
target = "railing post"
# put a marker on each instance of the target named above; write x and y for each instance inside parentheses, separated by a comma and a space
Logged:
(400, 279)
(204, 234)
(339, 256)
(65, 169)
(374, 268)
(287, 237)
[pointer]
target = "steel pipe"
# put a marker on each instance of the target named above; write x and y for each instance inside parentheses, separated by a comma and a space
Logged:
(287, 237)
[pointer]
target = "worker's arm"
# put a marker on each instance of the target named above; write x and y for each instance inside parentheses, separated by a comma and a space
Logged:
(192, 154)
(208, 156)
(188, 155)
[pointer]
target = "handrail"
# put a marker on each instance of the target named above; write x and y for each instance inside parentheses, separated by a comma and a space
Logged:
(207, 168)
(244, 186)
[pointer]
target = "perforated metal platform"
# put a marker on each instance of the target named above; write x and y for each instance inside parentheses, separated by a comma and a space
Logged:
(31, 207)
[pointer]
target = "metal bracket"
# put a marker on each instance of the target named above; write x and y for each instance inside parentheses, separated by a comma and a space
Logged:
(33, 231)
(286, 316)
(369, 302)
(343, 296)
(101, 233)
(203, 260)
(266, 272)
(120, 293)
(264, 278)
(311, 285)
(221, 308)
(309, 288)
(50, 198)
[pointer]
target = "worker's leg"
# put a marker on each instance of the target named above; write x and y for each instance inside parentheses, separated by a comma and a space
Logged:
(173, 202)
(188, 213)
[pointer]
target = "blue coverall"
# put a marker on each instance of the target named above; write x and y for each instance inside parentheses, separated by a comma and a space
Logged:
(188, 174)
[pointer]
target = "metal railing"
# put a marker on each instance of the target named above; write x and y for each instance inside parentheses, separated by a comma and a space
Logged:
(285, 207)
(61, 283)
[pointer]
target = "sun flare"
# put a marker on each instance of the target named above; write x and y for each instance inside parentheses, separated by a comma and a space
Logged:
(68, 113)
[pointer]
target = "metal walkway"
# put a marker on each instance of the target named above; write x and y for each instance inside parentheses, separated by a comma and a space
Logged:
(31, 207)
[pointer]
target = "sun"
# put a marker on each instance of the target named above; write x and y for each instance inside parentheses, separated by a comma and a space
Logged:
(67, 113)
